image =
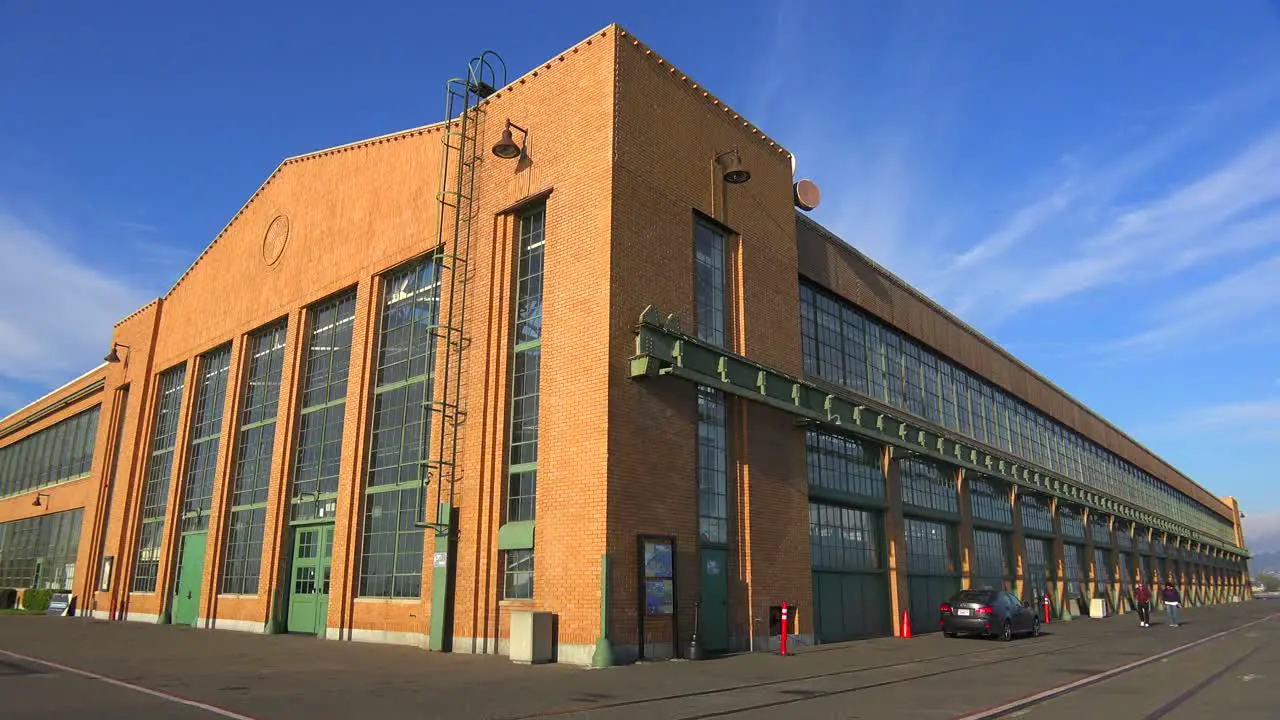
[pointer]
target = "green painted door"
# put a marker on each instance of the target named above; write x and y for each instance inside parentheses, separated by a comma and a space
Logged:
(186, 587)
(926, 593)
(713, 623)
(309, 579)
(850, 605)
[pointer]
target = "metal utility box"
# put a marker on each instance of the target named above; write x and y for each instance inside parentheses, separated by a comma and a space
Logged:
(531, 637)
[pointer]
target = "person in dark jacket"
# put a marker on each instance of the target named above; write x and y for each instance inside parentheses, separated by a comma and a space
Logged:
(1172, 601)
(1142, 597)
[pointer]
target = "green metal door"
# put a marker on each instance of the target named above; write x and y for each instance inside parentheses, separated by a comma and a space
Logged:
(850, 605)
(186, 587)
(713, 621)
(926, 593)
(309, 579)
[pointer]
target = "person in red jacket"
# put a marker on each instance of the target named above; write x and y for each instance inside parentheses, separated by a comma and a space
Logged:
(1142, 596)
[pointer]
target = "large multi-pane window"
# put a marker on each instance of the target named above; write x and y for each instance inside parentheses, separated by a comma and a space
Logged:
(205, 438)
(40, 552)
(1099, 529)
(391, 551)
(1124, 538)
(710, 253)
(925, 485)
(1036, 514)
(1037, 566)
(314, 477)
(991, 559)
(1101, 565)
(256, 435)
(989, 499)
(522, 457)
(1073, 569)
(931, 547)
(846, 346)
(155, 486)
(843, 465)
(1072, 521)
(57, 454)
(709, 261)
(844, 539)
(713, 471)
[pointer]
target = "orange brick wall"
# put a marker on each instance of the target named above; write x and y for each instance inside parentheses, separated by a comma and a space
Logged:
(353, 213)
(669, 131)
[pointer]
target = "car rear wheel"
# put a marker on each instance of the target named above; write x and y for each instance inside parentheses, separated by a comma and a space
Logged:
(950, 634)
(1006, 631)
(1035, 628)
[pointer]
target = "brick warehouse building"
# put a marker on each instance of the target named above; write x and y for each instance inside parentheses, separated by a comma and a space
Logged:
(647, 385)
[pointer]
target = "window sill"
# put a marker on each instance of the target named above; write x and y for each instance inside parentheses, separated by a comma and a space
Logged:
(520, 604)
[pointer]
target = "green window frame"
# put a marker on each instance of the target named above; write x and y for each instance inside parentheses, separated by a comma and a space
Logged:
(713, 467)
(155, 486)
(326, 369)
(517, 539)
(255, 444)
(205, 440)
(989, 499)
(844, 465)
(60, 453)
(925, 485)
(40, 552)
(392, 543)
(845, 539)
(931, 547)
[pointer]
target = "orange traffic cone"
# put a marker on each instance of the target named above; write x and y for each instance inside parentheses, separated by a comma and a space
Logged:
(906, 625)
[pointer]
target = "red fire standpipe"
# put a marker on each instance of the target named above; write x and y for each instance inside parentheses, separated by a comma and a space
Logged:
(784, 627)
(1046, 608)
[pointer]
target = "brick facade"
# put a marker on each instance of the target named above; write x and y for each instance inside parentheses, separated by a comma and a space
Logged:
(621, 149)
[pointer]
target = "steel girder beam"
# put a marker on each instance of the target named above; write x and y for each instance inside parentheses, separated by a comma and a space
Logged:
(662, 349)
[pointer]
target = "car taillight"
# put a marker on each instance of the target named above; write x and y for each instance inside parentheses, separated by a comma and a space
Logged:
(983, 611)
(944, 607)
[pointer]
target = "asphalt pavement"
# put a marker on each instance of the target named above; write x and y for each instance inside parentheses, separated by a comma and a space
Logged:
(1223, 662)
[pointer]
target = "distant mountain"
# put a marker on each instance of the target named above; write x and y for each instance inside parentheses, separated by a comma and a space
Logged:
(1265, 562)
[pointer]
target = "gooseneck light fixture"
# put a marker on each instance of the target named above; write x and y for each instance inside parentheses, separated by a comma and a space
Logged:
(36, 502)
(732, 171)
(506, 147)
(113, 356)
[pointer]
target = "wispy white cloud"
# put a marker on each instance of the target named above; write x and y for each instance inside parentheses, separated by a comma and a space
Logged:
(56, 311)
(1087, 191)
(1231, 301)
(1247, 420)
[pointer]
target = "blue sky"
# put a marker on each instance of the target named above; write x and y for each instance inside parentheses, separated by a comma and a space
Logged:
(1095, 185)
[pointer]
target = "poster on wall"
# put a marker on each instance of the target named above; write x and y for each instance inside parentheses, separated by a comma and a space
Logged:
(659, 578)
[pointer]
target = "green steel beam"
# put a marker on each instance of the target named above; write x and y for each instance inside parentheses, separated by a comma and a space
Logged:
(663, 350)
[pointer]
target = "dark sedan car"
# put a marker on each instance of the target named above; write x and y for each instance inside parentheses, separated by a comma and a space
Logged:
(995, 613)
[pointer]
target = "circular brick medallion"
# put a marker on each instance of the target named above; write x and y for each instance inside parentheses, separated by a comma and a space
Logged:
(276, 237)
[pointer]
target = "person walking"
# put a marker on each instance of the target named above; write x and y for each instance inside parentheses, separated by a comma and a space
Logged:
(1172, 601)
(1142, 596)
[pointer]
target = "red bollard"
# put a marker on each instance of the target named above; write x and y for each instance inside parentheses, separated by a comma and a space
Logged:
(1046, 609)
(784, 627)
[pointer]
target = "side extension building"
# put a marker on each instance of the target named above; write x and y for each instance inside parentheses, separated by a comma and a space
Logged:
(577, 349)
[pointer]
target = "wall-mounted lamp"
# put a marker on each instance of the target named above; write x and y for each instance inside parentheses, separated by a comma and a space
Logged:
(730, 162)
(113, 356)
(36, 502)
(506, 147)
